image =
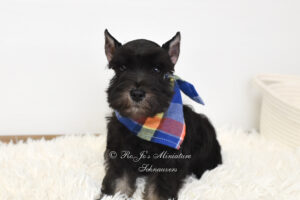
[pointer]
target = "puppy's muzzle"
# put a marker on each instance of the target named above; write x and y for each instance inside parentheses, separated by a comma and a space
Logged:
(137, 94)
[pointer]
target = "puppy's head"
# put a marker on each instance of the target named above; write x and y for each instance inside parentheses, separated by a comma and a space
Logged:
(139, 88)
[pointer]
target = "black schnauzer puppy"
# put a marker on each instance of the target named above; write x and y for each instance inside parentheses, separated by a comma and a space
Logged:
(139, 89)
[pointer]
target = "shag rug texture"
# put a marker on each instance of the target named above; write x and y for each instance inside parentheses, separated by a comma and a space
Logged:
(71, 168)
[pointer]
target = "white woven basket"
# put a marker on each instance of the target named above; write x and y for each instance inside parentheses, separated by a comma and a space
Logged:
(280, 111)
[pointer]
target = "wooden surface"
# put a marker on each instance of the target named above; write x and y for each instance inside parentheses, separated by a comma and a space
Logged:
(16, 138)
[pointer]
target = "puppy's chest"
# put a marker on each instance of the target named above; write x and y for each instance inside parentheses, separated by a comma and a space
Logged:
(139, 146)
(136, 152)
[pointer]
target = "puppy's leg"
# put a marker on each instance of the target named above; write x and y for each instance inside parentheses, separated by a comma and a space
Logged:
(163, 186)
(200, 163)
(114, 182)
(207, 153)
(126, 184)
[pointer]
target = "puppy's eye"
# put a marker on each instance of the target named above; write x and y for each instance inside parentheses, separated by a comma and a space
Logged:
(155, 69)
(122, 68)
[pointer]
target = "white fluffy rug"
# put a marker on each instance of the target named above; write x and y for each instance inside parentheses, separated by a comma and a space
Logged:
(71, 168)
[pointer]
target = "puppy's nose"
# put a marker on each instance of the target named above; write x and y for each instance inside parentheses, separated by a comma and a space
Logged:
(137, 94)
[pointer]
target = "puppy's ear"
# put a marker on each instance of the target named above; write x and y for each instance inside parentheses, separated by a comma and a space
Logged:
(173, 47)
(110, 45)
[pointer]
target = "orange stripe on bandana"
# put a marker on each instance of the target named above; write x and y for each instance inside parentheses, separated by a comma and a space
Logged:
(153, 122)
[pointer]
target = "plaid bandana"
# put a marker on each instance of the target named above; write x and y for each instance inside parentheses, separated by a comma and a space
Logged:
(167, 128)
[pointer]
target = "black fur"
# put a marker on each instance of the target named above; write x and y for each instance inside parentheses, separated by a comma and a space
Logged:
(142, 64)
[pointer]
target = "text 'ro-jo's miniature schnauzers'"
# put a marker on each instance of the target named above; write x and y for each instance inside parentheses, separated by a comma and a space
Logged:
(151, 133)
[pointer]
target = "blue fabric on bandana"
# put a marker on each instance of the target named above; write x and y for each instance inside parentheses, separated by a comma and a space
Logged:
(188, 89)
